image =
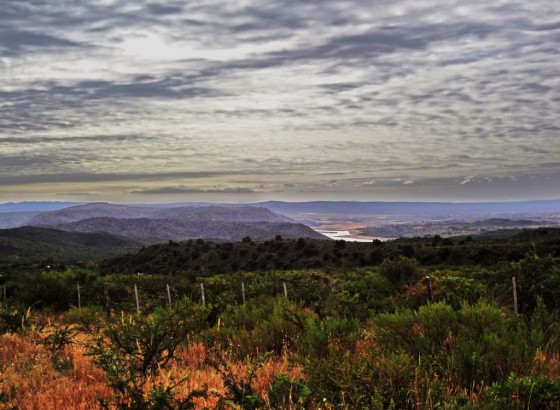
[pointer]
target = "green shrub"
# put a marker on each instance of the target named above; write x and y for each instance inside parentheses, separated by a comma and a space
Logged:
(262, 325)
(88, 318)
(526, 392)
(286, 393)
(15, 318)
(400, 270)
(132, 350)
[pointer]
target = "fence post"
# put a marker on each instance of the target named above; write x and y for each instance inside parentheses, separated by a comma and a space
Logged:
(430, 294)
(79, 297)
(137, 301)
(202, 294)
(168, 295)
(107, 300)
(285, 290)
(243, 292)
(514, 285)
(5, 296)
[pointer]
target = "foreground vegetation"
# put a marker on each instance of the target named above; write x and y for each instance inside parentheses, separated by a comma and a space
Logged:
(374, 337)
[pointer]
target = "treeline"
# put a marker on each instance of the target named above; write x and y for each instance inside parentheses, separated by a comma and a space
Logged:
(197, 256)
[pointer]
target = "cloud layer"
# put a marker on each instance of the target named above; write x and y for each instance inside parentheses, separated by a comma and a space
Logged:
(289, 99)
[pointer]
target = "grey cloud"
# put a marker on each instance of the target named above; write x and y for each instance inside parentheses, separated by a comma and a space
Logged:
(13, 42)
(84, 177)
(157, 8)
(88, 138)
(391, 81)
(144, 87)
(187, 190)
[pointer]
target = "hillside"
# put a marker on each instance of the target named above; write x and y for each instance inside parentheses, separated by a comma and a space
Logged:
(161, 230)
(214, 258)
(21, 247)
(153, 225)
(15, 219)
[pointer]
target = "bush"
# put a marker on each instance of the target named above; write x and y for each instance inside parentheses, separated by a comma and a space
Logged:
(527, 392)
(400, 270)
(88, 318)
(15, 318)
(135, 349)
(261, 325)
(286, 393)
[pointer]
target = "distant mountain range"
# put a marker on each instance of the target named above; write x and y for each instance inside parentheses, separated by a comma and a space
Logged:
(152, 225)
(226, 222)
(439, 209)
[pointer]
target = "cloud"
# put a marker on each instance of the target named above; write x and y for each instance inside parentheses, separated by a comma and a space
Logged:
(77, 177)
(14, 42)
(188, 190)
(284, 91)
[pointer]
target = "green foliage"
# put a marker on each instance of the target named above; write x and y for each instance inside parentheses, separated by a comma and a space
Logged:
(262, 325)
(358, 294)
(87, 318)
(474, 346)
(52, 289)
(286, 393)
(60, 336)
(536, 276)
(400, 270)
(192, 257)
(526, 392)
(342, 377)
(15, 318)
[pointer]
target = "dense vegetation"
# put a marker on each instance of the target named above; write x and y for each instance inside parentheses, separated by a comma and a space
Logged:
(197, 255)
(318, 337)
(30, 248)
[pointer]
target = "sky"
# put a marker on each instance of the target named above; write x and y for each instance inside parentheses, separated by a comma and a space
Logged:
(248, 100)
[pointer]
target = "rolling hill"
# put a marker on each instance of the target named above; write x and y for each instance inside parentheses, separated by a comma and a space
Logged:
(152, 225)
(31, 245)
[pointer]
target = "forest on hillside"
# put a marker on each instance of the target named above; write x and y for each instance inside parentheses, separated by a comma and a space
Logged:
(423, 323)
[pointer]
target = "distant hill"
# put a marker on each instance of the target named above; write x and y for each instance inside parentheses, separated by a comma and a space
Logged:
(35, 206)
(418, 209)
(152, 225)
(26, 245)
(93, 210)
(15, 219)
(161, 230)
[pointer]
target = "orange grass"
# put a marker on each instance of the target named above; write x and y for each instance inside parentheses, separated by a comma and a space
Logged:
(30, 381)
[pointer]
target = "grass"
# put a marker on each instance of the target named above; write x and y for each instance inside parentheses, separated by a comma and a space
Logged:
(30, 379)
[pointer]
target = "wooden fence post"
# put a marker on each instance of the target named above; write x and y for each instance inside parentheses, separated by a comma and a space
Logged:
(285, 290)
(169, 295)
(243, 292)
(514, 285)
(107, 300)
(429, 292)
(137, 301)
(202, 294)
(79, 297)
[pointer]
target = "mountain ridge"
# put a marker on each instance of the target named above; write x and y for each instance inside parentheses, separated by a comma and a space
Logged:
(153, 225)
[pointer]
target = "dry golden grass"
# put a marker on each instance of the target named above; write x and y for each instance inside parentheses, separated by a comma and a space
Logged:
(30, 380)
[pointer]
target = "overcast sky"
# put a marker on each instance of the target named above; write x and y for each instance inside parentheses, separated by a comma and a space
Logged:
(139, 101)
